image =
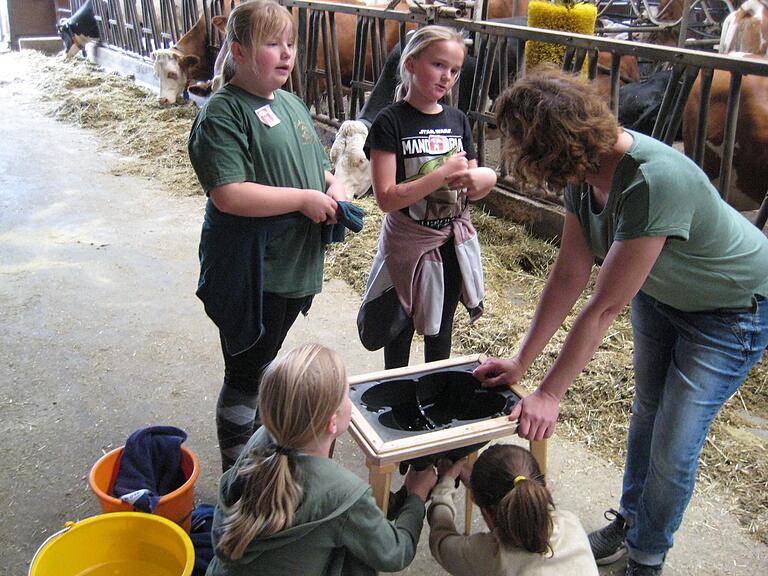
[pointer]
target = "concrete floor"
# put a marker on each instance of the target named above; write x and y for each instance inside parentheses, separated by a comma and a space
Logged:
(102, 334)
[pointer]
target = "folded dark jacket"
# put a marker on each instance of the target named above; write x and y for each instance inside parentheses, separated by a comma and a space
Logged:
(150, 466)
(348, 215)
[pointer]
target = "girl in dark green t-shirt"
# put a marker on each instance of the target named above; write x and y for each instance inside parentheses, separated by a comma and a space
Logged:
(260, 161)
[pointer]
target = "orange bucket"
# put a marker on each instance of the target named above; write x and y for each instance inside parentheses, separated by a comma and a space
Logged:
(176, 506)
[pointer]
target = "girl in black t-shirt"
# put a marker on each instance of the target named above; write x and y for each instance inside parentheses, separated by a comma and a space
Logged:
(424, 171)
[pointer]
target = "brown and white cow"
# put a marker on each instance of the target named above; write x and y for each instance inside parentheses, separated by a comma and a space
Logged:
(750, 155)
(745, 29)
(184, 64)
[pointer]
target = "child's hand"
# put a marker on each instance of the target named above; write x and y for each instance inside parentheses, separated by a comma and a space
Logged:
(337, 191)
(453, 165)
(319, 207)
(460, 469)
(421, 482)
(476, 180)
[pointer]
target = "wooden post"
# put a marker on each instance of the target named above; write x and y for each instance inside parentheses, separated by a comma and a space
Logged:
(380, 479)
(472, 458)
(539, 451)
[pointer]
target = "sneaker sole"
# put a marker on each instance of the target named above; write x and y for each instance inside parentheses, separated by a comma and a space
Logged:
(612, 558)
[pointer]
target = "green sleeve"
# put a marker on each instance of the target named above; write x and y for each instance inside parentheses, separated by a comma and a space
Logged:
(219, 151)
(656, 207)
(377, 542)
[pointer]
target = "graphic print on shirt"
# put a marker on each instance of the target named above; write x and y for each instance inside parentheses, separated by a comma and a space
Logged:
(425, 153)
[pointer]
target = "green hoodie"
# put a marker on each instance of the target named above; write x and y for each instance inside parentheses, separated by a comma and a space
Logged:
(337, 529)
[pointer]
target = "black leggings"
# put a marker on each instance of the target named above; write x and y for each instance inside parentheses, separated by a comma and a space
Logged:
(437, 347)
(243, 372)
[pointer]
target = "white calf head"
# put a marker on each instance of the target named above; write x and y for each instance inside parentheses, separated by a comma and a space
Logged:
(172, 69)
(351, 167)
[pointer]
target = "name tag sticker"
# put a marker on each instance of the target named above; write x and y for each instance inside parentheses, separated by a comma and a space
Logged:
(267, 116)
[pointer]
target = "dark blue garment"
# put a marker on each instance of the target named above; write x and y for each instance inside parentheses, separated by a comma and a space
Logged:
(150, 466)
(348, 215)
(231, 279)
(202, 523)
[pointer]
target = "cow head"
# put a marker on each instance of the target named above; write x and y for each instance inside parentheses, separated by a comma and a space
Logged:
(351, 167)
(65, 33)
(172, 70)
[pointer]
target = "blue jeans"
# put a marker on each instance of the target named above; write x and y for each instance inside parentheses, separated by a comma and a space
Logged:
(687, 364)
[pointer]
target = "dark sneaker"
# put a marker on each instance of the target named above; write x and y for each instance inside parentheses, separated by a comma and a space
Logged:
(636, 569)
(608, 543)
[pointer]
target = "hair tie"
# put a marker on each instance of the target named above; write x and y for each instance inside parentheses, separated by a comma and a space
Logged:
(284, 451)
(519, 479)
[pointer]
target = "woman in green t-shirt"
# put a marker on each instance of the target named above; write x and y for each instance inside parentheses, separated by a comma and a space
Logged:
(694, 269)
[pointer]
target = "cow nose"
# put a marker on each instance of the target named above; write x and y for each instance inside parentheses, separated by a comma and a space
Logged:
(164, 101)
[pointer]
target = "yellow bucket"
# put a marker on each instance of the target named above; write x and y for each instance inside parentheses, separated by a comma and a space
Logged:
(116, 544)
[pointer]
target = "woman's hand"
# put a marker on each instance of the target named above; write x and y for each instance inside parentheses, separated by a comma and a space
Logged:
(319, 206)
(536, 415)
(421, 482)
(497, 372)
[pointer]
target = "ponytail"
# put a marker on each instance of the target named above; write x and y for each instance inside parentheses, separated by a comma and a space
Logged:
(506, 481)
(269, 500)
(523, 517)
(298, 395)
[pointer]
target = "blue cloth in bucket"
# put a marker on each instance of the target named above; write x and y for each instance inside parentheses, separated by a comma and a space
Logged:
(150, 466)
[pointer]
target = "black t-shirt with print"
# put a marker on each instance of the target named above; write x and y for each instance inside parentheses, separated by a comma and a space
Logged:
(416, 138)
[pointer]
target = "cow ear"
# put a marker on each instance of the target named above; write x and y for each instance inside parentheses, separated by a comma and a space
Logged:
(189, 61)
(219, 22)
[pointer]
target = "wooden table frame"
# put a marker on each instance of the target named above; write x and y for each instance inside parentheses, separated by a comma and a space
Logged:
(383, 458)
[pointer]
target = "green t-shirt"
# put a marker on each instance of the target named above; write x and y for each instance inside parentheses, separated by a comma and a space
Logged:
(713, 257)
(230, 143)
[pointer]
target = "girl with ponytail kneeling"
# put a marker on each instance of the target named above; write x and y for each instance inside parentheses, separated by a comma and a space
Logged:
(528, 535)
(286, 508)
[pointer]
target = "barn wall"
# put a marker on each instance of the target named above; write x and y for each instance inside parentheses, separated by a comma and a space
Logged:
(30, 18)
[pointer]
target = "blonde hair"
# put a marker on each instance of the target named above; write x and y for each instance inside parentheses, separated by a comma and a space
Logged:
(422, 39)
(298, 395)
(251, 24)
(507, 482)
(555, 126)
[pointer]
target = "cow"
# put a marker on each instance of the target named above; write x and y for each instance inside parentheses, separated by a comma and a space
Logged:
(78, 30)
(187, 64)
(640, 102)
(746, 29)
(750, 155)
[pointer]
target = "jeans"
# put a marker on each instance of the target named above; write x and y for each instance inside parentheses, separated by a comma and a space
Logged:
(687, 364)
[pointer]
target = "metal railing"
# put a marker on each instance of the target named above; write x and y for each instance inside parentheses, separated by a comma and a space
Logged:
(318, 72)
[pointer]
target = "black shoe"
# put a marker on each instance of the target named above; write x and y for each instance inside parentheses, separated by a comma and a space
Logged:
(608, 544)
(636, 569)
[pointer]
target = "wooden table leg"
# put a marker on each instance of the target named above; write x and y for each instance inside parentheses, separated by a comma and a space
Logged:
(380, 479)
(539, 451)
(469, 500)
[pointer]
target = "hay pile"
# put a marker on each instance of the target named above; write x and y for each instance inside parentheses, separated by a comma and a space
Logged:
(595, 410)
(127, 117)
